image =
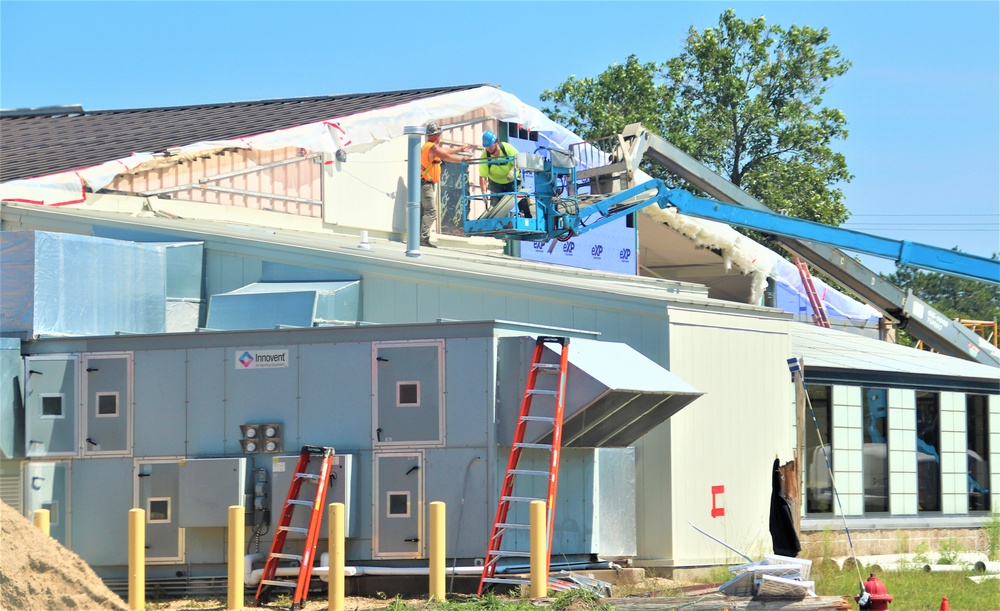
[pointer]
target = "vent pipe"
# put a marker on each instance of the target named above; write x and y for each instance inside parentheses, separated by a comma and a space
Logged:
(415, 135)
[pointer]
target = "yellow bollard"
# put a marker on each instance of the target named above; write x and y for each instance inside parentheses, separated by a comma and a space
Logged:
(136, 559)
(539, 566)
(437, 554)
(336, 542)
(237, 532)
(41, 519)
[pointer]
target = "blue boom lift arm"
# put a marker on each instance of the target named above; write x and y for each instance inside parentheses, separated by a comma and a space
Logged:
(561, 213)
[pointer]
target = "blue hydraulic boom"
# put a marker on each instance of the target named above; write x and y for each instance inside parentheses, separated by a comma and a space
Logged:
(558, 211)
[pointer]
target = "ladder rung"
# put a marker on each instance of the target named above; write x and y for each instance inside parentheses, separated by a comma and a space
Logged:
(547, 366)
(280, 583)
(294, 529)
(529, 472)
(509, 554)
(540, 446)
(287, 556)
(514, 526)
(309, 476)
(300, 502)
(517, 580)
(539, 419)
(536, 391)
(520, 499)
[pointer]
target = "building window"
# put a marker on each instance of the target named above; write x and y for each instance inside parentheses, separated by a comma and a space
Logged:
(819, 489)
(928, 451)
(875, 452)
(977, 426)
(514, 131)
(52, 406)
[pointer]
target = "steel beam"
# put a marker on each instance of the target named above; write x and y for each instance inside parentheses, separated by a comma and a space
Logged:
(936, 329)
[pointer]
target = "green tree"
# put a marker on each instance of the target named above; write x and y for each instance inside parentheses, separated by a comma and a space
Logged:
(953, 296)
(745, 98)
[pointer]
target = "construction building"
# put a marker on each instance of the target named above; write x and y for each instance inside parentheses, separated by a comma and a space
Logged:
(176, 277)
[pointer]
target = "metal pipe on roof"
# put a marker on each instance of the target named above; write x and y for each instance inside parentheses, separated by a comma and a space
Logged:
(414, 135)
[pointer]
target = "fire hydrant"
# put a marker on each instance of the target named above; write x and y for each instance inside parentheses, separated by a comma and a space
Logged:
(874, 598)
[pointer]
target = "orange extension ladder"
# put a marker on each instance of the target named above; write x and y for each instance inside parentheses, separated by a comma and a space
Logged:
(819, 311)
(314, 502)
(554, 416)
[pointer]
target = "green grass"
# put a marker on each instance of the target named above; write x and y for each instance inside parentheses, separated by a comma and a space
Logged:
(914, 589)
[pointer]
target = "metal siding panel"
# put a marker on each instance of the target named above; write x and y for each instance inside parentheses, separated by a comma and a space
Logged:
(405, 302)
(457, 476)
(335, 390)
(100, 510)
(206, 402)
(207, 488)
(469, 391)
(428, 305)
(160, 403)
(712, 353)
(262, 395)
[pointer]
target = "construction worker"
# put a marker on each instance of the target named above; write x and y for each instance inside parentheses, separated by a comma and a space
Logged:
(431, 156)
(497, 176)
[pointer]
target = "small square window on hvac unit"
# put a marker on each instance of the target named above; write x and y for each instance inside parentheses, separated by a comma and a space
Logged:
(158, 510)
(399, 504)
(52, 406)
(107, 405)
(407, 394)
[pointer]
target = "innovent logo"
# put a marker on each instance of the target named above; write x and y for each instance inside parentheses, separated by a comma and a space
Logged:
(596, 251)
(261, 359)
(625, 254)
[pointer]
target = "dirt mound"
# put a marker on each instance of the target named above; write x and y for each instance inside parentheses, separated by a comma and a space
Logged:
(37, 573)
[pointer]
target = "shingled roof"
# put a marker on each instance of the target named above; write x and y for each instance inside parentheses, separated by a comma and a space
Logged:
(37, 142)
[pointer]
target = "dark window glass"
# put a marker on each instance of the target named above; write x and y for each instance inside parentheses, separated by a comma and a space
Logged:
(159, 510)
(928, 451)
(107, 405)
(819, 490)
(399, 504)
(409, 393)
(977, 428)
(52, 406)
(875, 458)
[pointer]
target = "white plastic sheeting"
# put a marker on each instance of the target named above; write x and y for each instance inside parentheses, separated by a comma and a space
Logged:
(66, 284)
(362, 131)
(354, 133)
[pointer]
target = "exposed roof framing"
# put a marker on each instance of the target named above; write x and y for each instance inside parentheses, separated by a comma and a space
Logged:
(37, 142)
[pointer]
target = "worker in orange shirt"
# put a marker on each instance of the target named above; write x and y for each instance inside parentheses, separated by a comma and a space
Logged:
(432, 154)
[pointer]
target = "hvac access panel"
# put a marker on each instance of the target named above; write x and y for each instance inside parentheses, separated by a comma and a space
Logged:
(50, 406)
(408, 383)
(341, 490)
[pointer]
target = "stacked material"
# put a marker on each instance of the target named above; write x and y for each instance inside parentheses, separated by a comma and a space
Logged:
(773, 577)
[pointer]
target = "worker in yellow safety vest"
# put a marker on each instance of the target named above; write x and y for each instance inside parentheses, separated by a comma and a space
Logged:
(496, 170)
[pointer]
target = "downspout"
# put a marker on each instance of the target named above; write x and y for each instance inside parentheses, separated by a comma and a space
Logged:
(415, 135)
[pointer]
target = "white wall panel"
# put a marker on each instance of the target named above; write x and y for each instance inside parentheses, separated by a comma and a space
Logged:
(728, 438)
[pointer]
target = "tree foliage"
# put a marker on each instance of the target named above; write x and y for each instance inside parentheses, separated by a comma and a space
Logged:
(953, 296)
(745, 98)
